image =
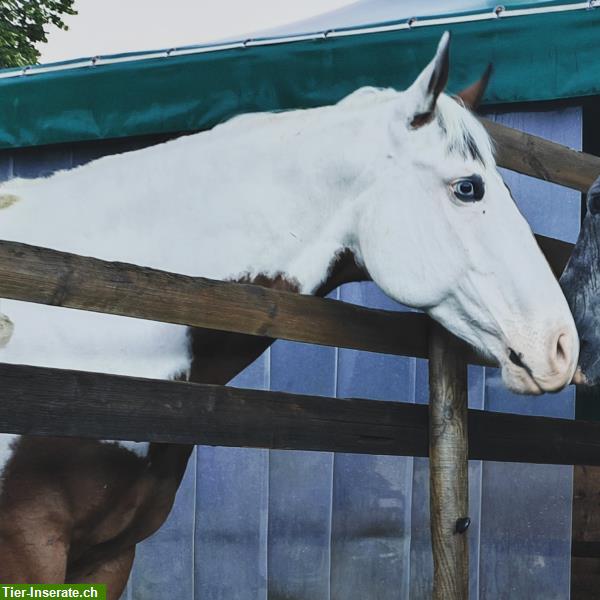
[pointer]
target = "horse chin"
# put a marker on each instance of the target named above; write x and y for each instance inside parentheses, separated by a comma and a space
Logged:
(516, 379)
(519, 381)
(522, 381)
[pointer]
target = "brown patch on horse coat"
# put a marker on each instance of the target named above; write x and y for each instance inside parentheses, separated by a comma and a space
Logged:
(279, 281)
(218, 356)
(72, 508)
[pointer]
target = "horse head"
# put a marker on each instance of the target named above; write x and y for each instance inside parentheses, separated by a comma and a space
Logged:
(440, 231)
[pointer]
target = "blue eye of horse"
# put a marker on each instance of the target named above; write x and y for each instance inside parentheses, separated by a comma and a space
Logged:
(593, 204)
(469, 189)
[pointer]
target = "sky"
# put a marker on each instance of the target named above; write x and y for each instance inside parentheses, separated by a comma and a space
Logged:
(112, 26)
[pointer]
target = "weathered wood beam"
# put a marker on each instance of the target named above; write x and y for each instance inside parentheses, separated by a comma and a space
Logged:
(448, 466)
(53, 402)
(57, 278)
(583, 549)
(543, 159)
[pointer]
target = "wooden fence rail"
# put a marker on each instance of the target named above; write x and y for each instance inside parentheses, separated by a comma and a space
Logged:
(54, 402)
(543, 159)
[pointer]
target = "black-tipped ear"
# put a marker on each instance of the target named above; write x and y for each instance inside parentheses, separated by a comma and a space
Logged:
(471, 96)
(441, 68)
(431, 83)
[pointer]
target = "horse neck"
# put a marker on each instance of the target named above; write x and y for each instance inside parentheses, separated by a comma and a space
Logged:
(292, 207)
(268, 195)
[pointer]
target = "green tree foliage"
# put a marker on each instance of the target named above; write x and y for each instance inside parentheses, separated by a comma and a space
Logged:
(22, 25)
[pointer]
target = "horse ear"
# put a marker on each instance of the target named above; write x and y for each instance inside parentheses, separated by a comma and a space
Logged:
(431, 83)
(471, 96)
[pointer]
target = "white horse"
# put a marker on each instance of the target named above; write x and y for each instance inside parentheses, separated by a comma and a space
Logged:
(404, 181)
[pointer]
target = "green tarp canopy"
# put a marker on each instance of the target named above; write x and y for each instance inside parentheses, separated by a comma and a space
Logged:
(540, 51)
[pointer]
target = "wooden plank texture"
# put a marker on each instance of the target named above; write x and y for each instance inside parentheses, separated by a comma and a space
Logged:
(543, 159)
(40, 401)
(448, 466)
(371, 495)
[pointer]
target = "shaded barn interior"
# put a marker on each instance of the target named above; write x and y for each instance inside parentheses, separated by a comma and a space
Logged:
(250, 524)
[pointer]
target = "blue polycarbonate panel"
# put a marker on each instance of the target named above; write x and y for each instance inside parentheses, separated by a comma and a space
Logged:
(232, 501)
(175, 539)
(300, 484)
(370, 545)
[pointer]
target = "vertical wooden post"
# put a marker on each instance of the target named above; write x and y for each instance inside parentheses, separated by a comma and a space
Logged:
(448, 466)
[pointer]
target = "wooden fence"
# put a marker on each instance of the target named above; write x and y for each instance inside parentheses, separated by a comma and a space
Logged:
(40, 401)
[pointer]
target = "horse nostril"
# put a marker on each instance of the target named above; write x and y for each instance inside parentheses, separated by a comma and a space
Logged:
(549, 365)
(515, 358)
